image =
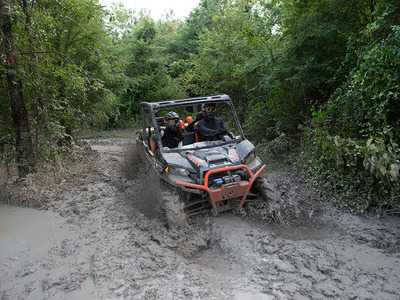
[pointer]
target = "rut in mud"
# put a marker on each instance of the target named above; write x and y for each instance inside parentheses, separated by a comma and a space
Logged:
(104, 236)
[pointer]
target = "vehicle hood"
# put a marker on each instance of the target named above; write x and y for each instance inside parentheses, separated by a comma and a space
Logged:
(210, 158)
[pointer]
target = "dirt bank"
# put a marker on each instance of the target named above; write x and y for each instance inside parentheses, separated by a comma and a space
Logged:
(102, 237)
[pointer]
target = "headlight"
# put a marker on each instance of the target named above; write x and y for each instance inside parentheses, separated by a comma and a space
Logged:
(177, 171)
(250, 158)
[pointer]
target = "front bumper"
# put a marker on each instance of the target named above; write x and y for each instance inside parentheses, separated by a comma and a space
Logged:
(226, 191)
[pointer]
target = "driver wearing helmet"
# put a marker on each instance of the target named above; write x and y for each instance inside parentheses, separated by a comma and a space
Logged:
(172, 136)
(210, 127)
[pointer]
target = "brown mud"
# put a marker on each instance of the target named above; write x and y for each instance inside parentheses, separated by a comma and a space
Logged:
(103, 236)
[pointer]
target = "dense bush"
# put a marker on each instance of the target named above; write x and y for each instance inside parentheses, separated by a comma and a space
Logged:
(353, 141)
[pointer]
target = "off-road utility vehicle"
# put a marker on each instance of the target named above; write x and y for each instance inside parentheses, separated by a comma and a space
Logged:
(200, 175)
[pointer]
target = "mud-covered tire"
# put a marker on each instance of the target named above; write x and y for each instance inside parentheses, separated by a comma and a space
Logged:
(170, 202)
(174, 209)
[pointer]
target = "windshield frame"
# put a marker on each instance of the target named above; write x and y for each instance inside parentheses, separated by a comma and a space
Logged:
(149, 119)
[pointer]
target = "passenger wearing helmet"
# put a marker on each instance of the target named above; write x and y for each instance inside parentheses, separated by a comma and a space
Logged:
(172, 136)
(211, 127)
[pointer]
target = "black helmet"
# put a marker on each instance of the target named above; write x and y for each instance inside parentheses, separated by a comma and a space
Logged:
(209, 110)
(171, 121)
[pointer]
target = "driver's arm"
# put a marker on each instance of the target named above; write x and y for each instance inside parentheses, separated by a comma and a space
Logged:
(205, 131)
(223, 126)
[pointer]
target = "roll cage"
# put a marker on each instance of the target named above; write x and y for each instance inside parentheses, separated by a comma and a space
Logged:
(150, 122)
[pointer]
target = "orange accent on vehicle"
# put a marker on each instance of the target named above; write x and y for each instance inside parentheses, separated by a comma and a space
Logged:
(152, 146)
(197, 136)
(232, 152)
(196, 161)
(182, 124)
(227, 191)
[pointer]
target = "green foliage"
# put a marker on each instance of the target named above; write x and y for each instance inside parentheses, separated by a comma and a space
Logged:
(151, 71)
(66, 66)
(186, 41)
(275, 58)
(353, 143)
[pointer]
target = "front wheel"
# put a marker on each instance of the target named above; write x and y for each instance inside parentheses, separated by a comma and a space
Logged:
(174, 208)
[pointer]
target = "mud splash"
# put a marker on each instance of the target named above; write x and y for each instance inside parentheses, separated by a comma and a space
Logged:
(105, 238)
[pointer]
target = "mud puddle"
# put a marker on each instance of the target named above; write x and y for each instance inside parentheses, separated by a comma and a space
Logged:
(312, 231)
(29, 239)
(103, 238)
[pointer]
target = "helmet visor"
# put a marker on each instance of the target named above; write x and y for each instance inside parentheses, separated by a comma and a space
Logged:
(210, 109)
(172, 122)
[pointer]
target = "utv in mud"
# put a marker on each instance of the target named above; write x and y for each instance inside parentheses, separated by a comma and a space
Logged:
(199, 175)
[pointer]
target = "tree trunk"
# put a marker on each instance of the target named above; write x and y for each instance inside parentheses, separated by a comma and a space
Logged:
(37, 91)
(23, 140)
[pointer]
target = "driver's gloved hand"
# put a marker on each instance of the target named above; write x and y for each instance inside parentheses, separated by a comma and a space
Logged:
(222, 131)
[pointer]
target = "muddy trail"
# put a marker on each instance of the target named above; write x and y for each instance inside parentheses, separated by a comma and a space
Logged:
(103, 236)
